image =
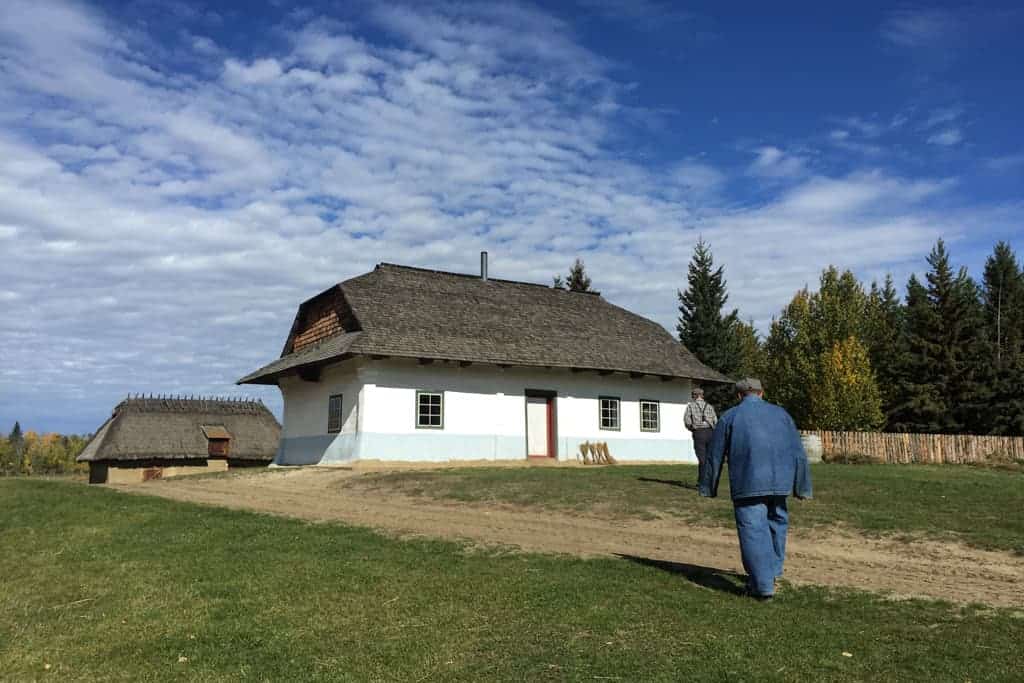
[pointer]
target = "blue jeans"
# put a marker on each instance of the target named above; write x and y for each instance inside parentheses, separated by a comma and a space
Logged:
(761, 524)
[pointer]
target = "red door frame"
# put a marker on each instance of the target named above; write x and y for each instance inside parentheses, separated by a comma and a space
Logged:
(550, 397)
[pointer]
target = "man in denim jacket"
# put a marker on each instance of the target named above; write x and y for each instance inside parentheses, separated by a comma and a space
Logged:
(766, 463)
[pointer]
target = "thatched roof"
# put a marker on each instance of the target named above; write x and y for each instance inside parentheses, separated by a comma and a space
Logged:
(425, 314)
(177, 428)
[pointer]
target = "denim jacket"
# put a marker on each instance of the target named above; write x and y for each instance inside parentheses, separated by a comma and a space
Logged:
(766, 456)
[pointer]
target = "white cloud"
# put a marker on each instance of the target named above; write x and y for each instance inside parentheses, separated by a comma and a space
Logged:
(918, 27)
(772, 162)
(946, 138)
(943, 115)
(259, 71)
(698, 177)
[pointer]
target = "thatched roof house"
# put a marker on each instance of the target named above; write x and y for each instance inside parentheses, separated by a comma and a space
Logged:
(147, 438)
(406, 363)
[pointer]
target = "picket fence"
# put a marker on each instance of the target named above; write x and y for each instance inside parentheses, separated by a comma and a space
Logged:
(921, 448)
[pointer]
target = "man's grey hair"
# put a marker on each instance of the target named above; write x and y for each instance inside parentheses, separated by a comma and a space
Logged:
(697, 391)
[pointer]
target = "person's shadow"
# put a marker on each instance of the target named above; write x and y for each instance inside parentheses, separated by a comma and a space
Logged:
(706, 577)
(669, 482)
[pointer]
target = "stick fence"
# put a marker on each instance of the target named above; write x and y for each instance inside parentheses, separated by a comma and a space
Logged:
(921, 448)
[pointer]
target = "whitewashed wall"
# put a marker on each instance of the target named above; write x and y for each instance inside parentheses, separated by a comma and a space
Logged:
(484, 413)
(305, 403)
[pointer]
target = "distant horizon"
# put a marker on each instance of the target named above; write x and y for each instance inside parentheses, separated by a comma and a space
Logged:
(175, 178)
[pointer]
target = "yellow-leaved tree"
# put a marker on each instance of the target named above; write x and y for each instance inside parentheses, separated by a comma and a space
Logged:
(846, 397)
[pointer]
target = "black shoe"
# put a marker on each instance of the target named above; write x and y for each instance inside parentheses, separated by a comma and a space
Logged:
(749, 592)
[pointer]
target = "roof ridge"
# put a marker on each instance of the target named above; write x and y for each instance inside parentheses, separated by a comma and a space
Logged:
(184, 404)
(471, 276)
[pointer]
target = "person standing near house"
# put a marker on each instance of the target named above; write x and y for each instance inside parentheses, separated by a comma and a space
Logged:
(767, 463)
(700, 418)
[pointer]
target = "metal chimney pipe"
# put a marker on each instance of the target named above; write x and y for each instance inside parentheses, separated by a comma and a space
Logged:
(483, 265)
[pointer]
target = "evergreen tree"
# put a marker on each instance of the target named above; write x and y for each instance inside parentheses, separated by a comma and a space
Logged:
(15, 450)
(917, 405)
(704, 327)
(1003, 296)
(1003, 363)
(558, 282)
(16, 439)
(884, 322)
(578, 280)
(939, 380)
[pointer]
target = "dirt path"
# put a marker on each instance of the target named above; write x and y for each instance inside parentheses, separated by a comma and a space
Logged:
(946, 571)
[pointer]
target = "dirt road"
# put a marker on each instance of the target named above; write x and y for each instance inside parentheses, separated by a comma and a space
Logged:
(927, 569)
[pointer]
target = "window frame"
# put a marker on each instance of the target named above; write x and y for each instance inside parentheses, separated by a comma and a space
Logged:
(341, 413)
(657, 414)
(417, 414)
(618, 413)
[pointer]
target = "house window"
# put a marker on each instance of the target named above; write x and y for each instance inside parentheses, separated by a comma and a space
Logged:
(609, 412)
(650, 416)
(429, 410)
(334, 414)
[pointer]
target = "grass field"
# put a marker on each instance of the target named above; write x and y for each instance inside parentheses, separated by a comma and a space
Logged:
(981, 507)
(101, 585)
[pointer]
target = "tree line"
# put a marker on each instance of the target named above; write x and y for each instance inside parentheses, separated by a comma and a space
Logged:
(946, 357)
(32, 453)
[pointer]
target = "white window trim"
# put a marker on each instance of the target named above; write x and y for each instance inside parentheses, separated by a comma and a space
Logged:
(657, 415)
(618, 413)
(417, 415)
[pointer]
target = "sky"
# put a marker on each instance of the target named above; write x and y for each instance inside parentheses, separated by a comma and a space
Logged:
(175, 178)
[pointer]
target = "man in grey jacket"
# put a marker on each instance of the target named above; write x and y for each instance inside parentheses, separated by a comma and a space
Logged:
(767, 463)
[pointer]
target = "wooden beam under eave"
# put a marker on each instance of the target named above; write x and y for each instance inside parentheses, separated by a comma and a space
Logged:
(378, 356)
(465, 363)
(425, 361)
(636, 375)
(667, 378)
(605, 373)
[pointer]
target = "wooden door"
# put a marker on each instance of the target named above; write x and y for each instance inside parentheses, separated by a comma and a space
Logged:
(538, 426)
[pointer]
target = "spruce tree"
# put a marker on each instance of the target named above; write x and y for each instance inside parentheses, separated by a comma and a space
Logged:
(1003, 361)
(940, 388)
(16, 438)
(884, 321)
(704, 327)
(1003, 296)
(14, 450)
(578, 280)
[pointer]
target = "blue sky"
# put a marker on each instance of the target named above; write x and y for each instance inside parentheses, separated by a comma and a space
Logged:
(176, 177)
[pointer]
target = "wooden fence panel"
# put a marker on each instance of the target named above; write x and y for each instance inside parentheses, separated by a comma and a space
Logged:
(921, 448)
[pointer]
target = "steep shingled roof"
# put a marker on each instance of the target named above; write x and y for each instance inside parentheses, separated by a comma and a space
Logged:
(172, 429)
(416, 313)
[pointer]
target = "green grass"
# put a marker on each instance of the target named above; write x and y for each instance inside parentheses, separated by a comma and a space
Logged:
(981, 507)
(101, 585)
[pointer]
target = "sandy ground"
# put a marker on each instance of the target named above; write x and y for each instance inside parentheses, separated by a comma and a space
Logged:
(946, 571)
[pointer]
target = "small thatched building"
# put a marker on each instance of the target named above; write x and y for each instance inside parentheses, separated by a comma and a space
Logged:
(151, 438)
